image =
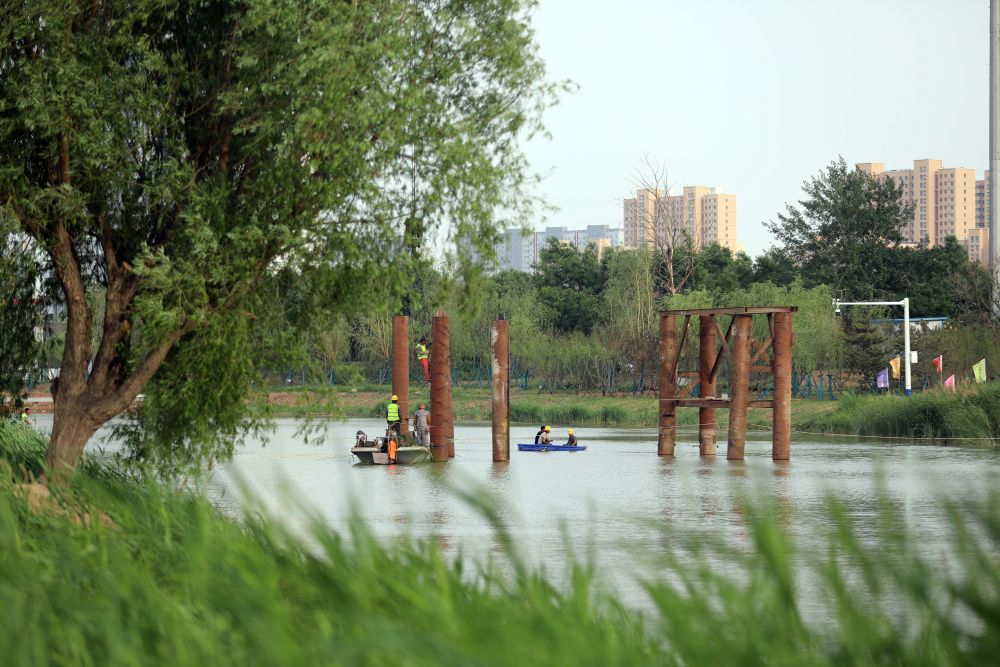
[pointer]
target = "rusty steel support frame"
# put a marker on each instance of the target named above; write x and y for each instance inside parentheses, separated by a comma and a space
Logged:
(401, 368)
(500, 358)
(668, 386)
(740, 391)
(745, 355)
(782, 413)
(442, 427)
(706, 362)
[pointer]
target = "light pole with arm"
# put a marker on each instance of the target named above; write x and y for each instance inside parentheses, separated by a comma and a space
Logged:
(905, 303)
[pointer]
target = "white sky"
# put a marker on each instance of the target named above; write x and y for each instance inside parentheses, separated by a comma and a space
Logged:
(754, 96)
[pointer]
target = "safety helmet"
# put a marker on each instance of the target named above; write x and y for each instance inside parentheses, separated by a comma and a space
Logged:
(570, 431)
(547, 428)
(394, 398)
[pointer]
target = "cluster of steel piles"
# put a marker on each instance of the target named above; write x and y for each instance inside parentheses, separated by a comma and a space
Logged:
(442, 426)
(745, 355)
(737, 345)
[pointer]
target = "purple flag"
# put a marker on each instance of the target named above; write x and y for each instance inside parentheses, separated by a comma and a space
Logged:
(883, 379)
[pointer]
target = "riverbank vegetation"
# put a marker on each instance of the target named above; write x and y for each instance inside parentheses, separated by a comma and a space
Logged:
(527, 407)
(968, 416)
(163, 579)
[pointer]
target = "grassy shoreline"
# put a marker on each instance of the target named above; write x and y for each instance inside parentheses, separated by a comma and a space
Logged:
(971, 415)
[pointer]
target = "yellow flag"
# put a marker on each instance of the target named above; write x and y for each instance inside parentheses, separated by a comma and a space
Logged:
(979, 368)
(894, 364)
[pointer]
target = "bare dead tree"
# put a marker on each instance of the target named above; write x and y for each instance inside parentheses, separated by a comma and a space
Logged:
(672, 237)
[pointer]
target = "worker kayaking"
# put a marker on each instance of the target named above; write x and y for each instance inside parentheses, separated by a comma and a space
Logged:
(392, 414)
(571, 439)
(422, 357)
(541, 432)
(544, 437)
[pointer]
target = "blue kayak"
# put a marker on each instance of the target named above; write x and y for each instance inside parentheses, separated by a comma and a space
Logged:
(550, 448)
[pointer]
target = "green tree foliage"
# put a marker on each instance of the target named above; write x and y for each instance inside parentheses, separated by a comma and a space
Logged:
(19, 316)
(926, 276)
(719, 269)
(178, 154)
(843, 232)
(569, 286)
(818, 340)
(631, 313)
(867, 346)
(775, 267)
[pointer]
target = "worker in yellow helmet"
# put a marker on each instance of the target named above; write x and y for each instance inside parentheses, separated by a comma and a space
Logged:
(422, 357)
(570, 439)
(392, 413)
(546, 435)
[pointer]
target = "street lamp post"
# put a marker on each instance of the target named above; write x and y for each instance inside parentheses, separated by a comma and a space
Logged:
(905, 303)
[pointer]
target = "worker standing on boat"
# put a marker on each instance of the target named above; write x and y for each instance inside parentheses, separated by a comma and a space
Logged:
(420, 424)
(392, 413)
(571, 439)
(422, 357)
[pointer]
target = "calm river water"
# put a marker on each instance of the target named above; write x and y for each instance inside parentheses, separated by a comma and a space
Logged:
(610, 502)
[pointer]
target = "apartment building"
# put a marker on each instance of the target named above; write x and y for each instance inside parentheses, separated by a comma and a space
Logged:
(703, 214)
(639, 218)
(948, 201)
(520, 249)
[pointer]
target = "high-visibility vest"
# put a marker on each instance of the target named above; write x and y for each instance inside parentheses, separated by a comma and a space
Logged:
(421, 351)
(392, 412)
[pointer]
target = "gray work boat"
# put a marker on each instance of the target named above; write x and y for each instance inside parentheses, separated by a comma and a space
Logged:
(376, 451)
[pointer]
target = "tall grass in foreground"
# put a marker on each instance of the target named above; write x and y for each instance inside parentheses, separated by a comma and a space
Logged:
(166, 580)
(971, 413)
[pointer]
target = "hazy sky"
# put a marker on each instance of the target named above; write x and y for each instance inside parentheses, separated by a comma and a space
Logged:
(754, 96)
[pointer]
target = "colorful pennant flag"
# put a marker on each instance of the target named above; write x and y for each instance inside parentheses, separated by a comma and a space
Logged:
(979, 369)
(882, 381)
(894, 365)
(939, 363)
(950, 383)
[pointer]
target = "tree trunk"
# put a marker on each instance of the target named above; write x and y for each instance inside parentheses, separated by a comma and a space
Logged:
(71, 430)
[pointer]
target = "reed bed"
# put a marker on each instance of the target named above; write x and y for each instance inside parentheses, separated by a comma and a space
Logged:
(971, 415)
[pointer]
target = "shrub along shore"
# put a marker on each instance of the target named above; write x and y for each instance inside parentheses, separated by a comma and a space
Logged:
(970, 415)
(119, 569)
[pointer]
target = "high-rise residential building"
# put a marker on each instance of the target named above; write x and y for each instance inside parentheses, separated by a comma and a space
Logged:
(640, 216)
(699, 213)
(948, 201)
(520, 249)
(983, 200)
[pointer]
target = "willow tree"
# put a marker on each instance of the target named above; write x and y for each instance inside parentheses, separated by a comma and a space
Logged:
(172, 157)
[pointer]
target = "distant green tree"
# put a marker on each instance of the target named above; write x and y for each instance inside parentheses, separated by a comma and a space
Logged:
(569, 286)
(719, 269)
(867, 347)
(562, 265)
(775, 267)
(926, 276)
(843, 232)
(177, 154)
(630, 307)
(976, 297)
